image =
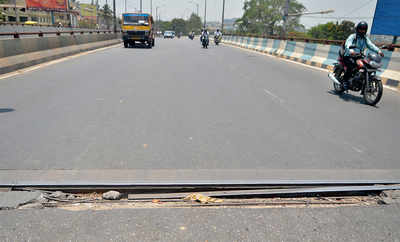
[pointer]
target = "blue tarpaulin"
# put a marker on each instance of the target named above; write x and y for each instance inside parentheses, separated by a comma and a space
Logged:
(387, 18)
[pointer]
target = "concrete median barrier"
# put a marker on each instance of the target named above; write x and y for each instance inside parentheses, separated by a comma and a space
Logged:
(21, 53)
(319, 55)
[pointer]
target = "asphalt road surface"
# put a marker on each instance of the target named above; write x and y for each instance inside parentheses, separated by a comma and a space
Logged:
(178, 106)
(204, 224)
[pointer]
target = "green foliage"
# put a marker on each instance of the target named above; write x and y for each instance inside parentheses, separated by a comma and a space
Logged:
(107, 14)
(180, 25)
(2, 16)
(332, 31)
(266, 16)
(194, 23)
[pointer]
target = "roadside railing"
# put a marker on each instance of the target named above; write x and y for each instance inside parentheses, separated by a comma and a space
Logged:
(390, 47)
(17, 35)
(40, 25)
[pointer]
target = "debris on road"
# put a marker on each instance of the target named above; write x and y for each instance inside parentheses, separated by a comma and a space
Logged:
(112, 195)
(202, 199)
(389, 197)
(58, 195)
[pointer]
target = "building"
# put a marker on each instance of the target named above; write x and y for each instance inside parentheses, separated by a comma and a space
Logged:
(17, 12)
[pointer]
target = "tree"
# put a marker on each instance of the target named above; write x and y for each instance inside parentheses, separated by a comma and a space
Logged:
(179, 25)
(2, 16)
(165, 25)
(107, 13)
(266, 16)
(194, 23)
(332, 31)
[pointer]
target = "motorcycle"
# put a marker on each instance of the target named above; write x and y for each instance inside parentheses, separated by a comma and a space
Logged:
(363, 79)
(205, 41)
(191, 36)
(217, 39)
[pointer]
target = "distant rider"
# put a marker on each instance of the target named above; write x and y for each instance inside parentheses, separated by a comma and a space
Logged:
(360, 41)
(218, 33)
(204, 33)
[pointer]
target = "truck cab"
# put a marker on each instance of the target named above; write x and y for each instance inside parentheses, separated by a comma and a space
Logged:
(137, 27)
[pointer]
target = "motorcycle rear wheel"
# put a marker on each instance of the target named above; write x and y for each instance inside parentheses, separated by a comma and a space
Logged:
(372, 95)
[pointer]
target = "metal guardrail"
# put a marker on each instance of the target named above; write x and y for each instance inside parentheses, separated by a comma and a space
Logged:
(41, 34)
(390, 47)
(38, 25)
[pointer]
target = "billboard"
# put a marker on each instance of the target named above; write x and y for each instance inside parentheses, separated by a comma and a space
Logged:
(88, 11)
(47, 4)
(387, 18)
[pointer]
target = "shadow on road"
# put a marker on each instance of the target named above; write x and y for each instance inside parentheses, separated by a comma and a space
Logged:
(6, 110)
(349, 97)
(138, 46)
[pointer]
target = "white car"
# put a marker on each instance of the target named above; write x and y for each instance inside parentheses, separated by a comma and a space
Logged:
(169, 34)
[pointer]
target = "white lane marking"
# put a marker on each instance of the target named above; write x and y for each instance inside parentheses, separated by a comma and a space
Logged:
(274, 96)
(32, 68)
(299, 63)
(357, 149)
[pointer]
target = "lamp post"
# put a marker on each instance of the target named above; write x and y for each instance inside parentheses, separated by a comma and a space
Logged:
(205, 13)
(223, 16)
(197, 7)
(114, 17)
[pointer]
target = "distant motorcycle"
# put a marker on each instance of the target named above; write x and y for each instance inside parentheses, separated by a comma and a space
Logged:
(205, 41)
(364, 77)
(191, 36)
(217, 39)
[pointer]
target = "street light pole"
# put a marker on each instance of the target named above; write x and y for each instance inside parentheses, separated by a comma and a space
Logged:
(197, 7)
(141, 6)
(223, 16)
(285, 17)
(151, 7)
(125, 7)
(205, 13)
(115, 18)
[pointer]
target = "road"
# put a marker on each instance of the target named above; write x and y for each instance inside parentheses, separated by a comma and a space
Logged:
(204, 224)
(178, 106)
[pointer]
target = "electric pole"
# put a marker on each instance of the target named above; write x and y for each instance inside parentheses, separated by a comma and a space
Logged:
(151, 7)
(223, 16)
(285, 17)
(141, 6)
(205, 13)
(114, 17)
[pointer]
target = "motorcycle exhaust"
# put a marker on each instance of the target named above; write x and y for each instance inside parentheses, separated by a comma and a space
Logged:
(333, 78)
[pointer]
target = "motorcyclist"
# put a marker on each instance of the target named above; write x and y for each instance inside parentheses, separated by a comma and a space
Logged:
(218, 33)
(204, 33)
(360, 41)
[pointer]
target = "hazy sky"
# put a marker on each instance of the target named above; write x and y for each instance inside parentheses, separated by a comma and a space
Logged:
(354, 10)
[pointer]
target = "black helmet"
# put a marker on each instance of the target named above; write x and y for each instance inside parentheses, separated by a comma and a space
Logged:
(361, 26)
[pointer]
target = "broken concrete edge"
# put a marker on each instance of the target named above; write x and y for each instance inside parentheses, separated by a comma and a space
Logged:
(16, 199)
(38, 199)
(14, 63)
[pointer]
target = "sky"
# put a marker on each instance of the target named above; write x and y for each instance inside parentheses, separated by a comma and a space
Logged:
(354, 10)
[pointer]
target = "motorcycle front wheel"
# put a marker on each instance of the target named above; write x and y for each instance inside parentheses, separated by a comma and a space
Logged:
(338, 71)
(373, 92)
